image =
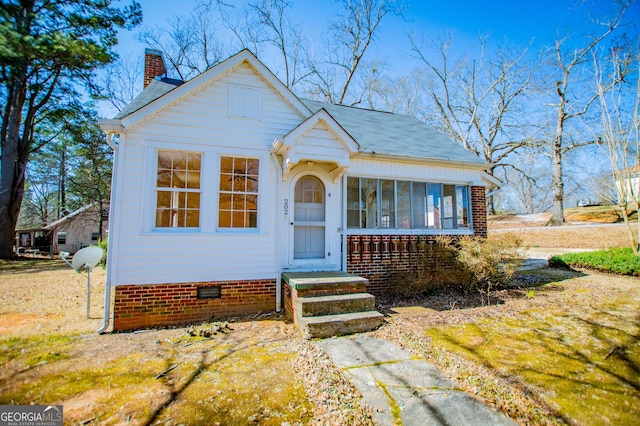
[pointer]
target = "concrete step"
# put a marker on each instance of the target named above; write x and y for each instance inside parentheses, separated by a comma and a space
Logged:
(334, 304)
(341, 324)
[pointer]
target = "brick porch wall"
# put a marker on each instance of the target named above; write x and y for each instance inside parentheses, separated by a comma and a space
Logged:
(374, 257)
(479, 210)
(143, 306)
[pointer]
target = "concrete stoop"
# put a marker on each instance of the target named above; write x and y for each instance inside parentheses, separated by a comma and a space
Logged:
(340, 324)
(337, 315)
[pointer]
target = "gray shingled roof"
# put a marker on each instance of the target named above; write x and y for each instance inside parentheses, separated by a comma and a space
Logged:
(156, 89)
(375, 131)
(395, 134)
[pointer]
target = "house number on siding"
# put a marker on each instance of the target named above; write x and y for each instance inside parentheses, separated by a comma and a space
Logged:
(286, 206)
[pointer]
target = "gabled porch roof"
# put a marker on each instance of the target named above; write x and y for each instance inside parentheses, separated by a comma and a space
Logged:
(319, 138)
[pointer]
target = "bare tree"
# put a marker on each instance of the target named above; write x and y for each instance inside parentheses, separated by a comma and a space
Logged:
(620, 127)
(122, 81)
(350, 37)
(527, 177)
(275, 29)
(571, 102)
(402, 95)
(479, 103)
(190, 44)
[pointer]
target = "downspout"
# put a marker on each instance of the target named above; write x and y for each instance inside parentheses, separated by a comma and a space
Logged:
(278, 234)
(343, 229)
(112, 201)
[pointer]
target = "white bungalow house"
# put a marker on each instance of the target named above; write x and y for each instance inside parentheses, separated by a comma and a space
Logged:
(231, 195)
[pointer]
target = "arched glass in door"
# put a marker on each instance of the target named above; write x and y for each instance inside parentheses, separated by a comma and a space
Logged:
(309, 219)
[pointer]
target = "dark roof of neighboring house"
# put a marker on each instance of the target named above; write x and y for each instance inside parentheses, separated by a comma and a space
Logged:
(156, 89)
(395, 134)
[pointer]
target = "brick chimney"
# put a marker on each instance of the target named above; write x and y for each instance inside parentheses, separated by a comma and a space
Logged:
(153, 66)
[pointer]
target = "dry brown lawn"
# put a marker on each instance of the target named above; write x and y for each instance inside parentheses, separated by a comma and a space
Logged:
(571, 236)
(252, 371)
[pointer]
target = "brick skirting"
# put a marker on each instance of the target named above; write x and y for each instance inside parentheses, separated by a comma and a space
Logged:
(142, 306)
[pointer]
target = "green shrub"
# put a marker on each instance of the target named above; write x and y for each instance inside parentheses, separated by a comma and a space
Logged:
(103, 243)
(616, 260)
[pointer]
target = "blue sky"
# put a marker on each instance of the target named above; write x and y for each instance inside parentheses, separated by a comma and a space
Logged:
(519, 21)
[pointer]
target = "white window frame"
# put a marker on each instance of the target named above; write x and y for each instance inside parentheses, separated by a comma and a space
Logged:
(457, 230)
(209, 186)
(173, 190)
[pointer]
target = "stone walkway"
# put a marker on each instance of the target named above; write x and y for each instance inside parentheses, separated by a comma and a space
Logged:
(402, 389)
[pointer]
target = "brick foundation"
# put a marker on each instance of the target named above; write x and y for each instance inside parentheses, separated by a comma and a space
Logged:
(143, 306)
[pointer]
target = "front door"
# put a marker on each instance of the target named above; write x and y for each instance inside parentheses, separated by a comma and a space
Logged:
(309, 219)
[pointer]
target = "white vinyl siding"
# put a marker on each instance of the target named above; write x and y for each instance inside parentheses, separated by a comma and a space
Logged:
(199, 123)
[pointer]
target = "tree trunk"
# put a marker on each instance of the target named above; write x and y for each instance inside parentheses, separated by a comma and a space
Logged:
(12, 182)
(491, 208)
(62, 184)
(557, 210)
(15, 155)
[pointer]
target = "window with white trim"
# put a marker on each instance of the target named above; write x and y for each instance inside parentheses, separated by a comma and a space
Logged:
(391, 204)
(238, 197)
(178, 189)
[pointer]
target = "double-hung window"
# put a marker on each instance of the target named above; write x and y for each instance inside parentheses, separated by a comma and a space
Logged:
(178, 189)
(238, 196)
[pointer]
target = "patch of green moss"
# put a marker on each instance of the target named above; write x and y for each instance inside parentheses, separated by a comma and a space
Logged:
(119, 383)
(252, 385)
(586, 365)
(35, 349)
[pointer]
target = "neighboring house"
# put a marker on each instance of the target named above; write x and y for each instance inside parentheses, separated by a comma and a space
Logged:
(628, 184)
(223, 183)
(80, 228)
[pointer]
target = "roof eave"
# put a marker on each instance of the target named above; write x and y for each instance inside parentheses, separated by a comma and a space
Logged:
(423, 160)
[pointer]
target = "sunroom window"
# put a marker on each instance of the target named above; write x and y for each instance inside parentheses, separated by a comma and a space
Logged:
(380, 203)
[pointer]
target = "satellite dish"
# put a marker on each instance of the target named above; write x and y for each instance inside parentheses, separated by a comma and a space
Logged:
(87, 257)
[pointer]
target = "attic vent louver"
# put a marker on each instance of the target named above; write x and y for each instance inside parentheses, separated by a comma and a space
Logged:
(244, 102)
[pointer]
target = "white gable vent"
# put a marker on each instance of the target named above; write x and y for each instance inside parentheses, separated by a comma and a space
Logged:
(244, 102)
